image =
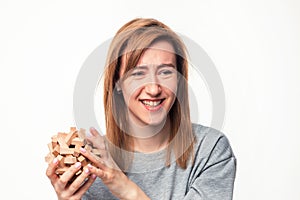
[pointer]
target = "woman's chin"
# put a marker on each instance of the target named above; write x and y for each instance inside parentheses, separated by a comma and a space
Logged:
(154, 121)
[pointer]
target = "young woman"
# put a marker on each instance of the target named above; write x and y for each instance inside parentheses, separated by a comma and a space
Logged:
(151, 149)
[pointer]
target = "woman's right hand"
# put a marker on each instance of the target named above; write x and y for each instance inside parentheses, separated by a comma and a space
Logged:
(62, 187)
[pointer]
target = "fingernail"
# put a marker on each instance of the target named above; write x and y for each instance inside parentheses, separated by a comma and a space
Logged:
(86, 170)
(82, 150)
(94, 176)
(78, 165)
(92, 129)
(90, 166)
(55, 160)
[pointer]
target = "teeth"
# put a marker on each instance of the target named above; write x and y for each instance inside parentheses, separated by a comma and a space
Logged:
(151, 103)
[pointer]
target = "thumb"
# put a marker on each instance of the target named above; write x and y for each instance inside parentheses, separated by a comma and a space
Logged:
(94, 132)
(96, 139)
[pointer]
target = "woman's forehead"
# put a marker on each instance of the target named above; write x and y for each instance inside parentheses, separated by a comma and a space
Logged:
(156, 57)
(159, 53)
(163, 46)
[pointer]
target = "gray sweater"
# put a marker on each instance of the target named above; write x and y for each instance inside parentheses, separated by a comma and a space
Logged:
(210, 177)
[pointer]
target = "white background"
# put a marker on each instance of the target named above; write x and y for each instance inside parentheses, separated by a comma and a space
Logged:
(254, 44)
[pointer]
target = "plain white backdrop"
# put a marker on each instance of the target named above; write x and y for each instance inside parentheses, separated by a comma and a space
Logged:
(255, 46)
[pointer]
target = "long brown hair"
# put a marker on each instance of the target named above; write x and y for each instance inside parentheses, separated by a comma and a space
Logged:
(131, 41)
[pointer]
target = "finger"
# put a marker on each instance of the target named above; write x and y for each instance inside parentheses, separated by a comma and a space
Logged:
(85, 186)
(96, 139)
(99, 172)
(50, 172)
(102, 153)
(99, 162)
(67, 176)
(79, 181)
(94, 132)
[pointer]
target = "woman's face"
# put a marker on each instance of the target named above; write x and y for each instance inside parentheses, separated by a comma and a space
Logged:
(149, 89)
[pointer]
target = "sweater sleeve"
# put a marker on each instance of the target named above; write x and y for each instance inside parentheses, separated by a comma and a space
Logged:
(213, 180)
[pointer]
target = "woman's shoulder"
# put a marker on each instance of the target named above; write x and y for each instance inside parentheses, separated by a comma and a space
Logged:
(209, 140)
(203, 132)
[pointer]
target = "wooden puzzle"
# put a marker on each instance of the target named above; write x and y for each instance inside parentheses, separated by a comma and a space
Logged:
(66, 148)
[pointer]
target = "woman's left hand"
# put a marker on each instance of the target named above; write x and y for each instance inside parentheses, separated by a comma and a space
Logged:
(108, 171)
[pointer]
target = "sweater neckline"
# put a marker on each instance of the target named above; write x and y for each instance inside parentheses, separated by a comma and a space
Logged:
(147, 162)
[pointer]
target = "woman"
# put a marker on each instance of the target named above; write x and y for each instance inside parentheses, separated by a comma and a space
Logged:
(151, 149)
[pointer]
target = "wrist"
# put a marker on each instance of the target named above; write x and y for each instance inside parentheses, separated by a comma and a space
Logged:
(134, 192)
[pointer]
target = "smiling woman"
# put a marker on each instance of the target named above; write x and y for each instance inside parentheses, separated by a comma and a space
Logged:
(151, 149)
(150, 89)
(145, 46)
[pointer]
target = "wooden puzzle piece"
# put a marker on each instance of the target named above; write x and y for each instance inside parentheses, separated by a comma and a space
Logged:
(66, 148)
(69, 159)
(70, 137)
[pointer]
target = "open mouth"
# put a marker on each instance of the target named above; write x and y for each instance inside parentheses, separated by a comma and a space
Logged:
(152, 103)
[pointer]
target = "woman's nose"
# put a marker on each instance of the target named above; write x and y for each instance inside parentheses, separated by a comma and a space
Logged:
(153, 89)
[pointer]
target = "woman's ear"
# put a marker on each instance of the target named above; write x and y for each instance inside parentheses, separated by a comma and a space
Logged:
(118, 88)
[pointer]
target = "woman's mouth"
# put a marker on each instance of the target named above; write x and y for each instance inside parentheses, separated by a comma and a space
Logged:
(152, 104)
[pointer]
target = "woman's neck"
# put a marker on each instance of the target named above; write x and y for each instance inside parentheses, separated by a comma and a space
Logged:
(153, 138)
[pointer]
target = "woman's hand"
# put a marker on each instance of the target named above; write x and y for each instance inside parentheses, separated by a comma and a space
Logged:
(108, 171)
(63, 188)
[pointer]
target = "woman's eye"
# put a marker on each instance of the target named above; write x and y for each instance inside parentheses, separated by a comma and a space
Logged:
(166, 72)
(137, 73)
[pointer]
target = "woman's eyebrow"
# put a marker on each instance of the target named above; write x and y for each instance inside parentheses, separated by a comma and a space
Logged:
(158, 66)
(166, 65)
(141, 67)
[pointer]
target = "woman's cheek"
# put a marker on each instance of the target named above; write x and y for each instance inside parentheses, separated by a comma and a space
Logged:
(171, 85)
